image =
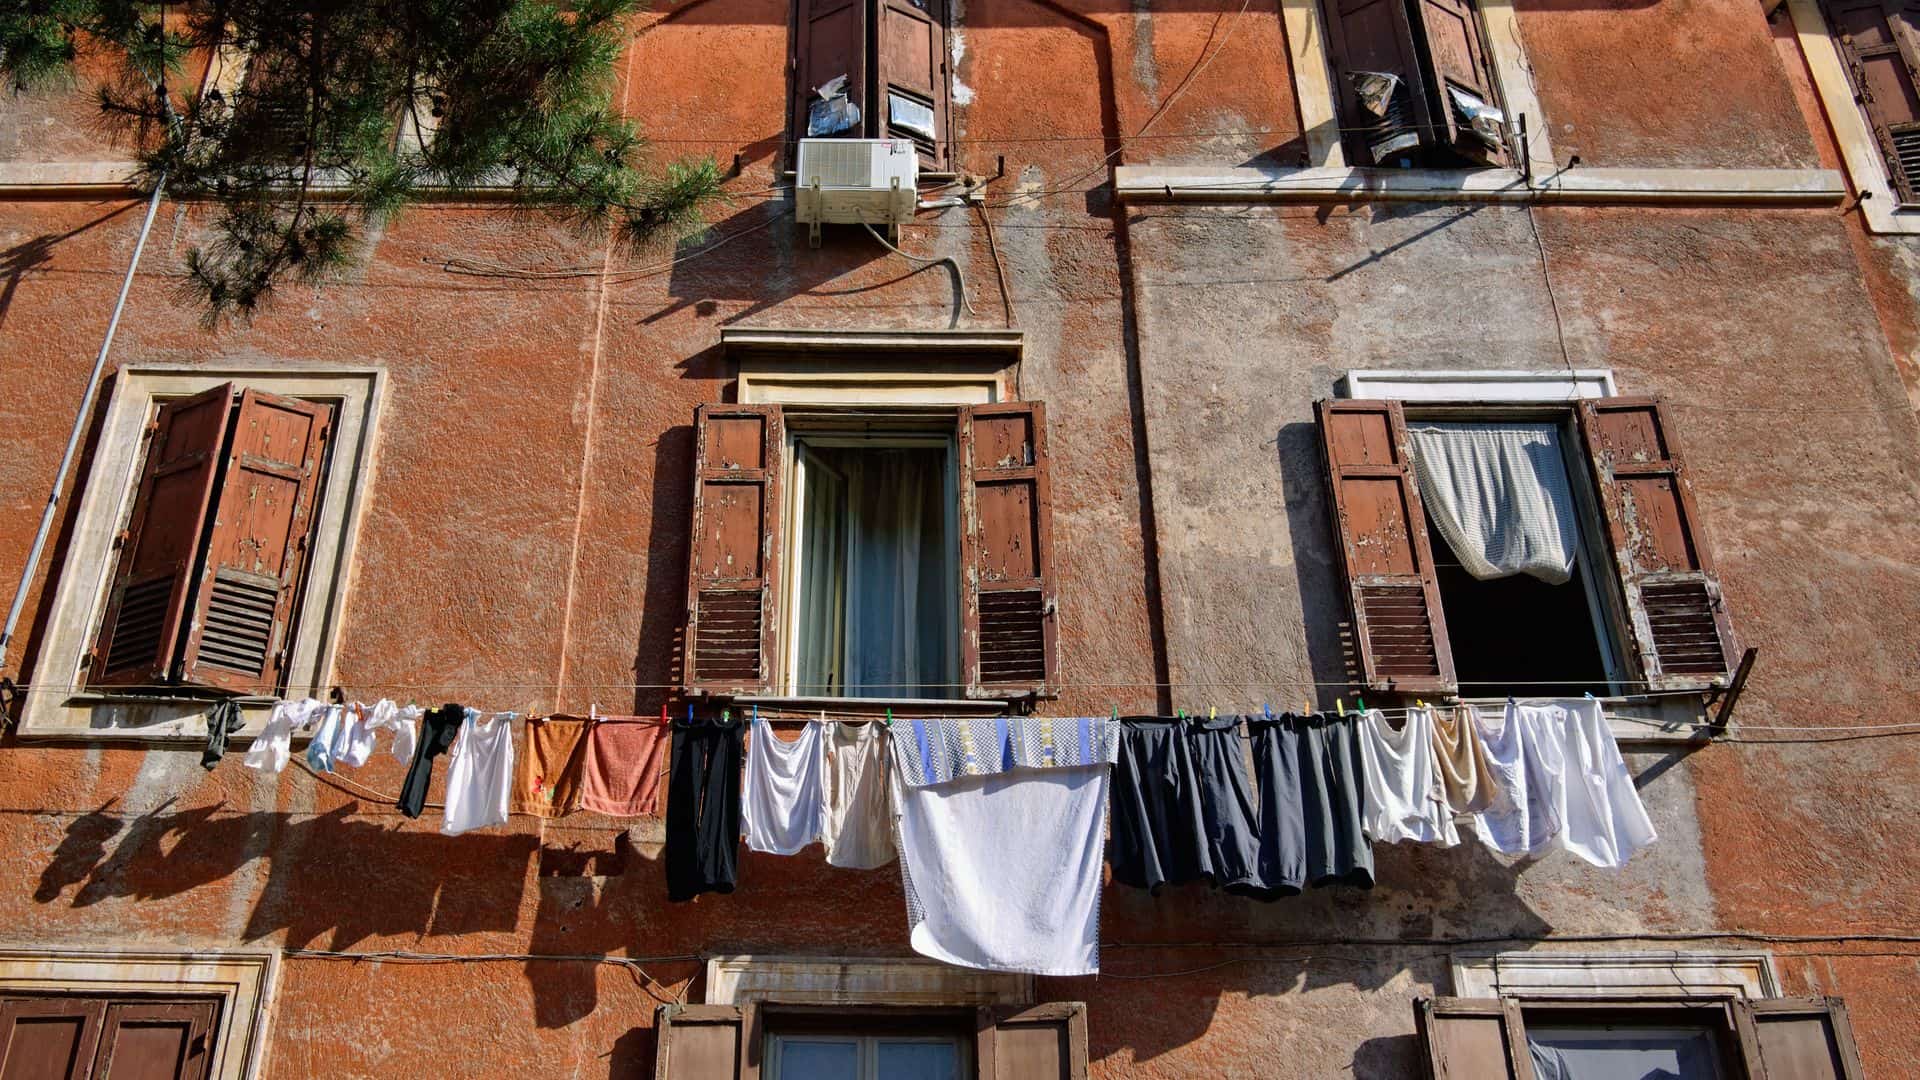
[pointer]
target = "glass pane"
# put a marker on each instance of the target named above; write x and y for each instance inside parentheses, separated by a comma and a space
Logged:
(819, 1059)
(903, 1060)
(1623, 1053)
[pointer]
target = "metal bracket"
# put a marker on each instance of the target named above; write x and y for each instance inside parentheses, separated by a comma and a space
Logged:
(1730, 696)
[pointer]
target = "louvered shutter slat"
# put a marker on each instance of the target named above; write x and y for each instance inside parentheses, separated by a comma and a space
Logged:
(1457, 56)
(910, 68)
(1399, 633)
(1676, 613)
(152, 585)
(258, 545)
(734, 566)
(1008, 645)
(1375, 35)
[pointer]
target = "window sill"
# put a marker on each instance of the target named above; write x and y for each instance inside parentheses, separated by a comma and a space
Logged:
(782, 707)
(1584, 185)
(1642, 721)
(140, 719)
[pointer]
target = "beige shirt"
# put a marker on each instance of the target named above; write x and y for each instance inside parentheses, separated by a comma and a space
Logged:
(1460, 759)
(859, 830)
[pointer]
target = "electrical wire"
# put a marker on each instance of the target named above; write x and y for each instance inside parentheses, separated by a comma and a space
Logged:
(631, 964)
(959, 276)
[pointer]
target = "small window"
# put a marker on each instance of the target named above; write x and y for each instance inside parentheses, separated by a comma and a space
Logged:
(1877, 47)
(1690, 1038)
(214, 552)
(1538, 551)
(865, 1057)
(870, 553)
(872, 69)
(1414, 83)
(873, 564)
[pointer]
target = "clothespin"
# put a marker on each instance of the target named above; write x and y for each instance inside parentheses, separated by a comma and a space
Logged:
(1213, 713)
(1116, 714)
(1306, 706)
(1340, 705)
(689, 713)
(1361, 702)
(663, 714)
(1266, 711)
(593, 712)
(756, 713)
(890, 719)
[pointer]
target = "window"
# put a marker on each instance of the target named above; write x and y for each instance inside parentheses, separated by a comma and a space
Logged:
(1590, 502)
(1878, 49)
(871, 552)
(1414, 83)
(1691, 1038)
(214, 552)
(794, 1042)
(77, 1038)
(872, 69)
(104, 558)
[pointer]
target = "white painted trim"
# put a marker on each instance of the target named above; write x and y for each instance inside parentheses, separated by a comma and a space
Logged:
(244, 982)
(1634, 974)
(814, 980)
(1552, 384)
(59, 704)
(1584, 185)
(816, 340)
(1858, 147)
(762, 384)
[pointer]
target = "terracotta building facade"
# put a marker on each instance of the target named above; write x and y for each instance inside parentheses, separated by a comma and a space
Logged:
(1139, 376)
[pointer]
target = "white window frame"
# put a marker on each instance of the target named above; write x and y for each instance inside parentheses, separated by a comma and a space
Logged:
(243, 981)
(59, 704)
(866, 1050)
(1858, 147)
(1697, 973)
(793, 550)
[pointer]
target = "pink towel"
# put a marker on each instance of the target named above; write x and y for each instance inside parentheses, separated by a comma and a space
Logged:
(624, 760)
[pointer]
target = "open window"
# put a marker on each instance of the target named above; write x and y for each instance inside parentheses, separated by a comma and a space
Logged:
(1521, 550)
(871, 553)
(211, 559)
(1881, 54)
(1690, 1038)
(872, 69)
(794, 1042)
(1414, 83)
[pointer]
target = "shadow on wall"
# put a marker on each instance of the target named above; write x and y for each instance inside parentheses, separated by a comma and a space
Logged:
(1310, 531)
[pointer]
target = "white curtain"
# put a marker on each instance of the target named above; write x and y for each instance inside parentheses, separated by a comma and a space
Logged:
(879, 599)
(1500, 496)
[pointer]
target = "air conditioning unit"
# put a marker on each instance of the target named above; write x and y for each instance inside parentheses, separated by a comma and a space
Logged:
(849, 181)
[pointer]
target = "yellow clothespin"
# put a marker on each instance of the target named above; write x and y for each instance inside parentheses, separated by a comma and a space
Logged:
(1340, 706)
(1213, 713)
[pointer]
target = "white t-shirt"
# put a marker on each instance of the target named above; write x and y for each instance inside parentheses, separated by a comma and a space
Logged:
(480, 780)
(783, 801)
(1402, 797)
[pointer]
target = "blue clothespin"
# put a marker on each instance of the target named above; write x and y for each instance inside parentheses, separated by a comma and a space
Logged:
(756, 714)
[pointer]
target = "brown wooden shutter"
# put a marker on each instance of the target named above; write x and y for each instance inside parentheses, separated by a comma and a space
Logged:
(1800, 1039)
(1380, 530)
(734, 563)
(911, 66)
(152, 585)
(1472, 1038)
(49, 1038)
(1457, 54)
(1045, 1042)
(706, 1042)
(157, 1040)
(258, 545)
(829, 39)
(1878, 48)
(1677, 616)
(1007, 636)
(1374, 35)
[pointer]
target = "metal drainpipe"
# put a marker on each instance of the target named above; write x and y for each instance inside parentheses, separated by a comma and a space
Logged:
(79, 425)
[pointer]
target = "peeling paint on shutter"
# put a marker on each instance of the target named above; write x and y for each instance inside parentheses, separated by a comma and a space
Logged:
(152, 585)
(734, 558)
(911, 75)
(1456, 56)
(1008, 634)
(1470, 1038)
(707, 1042)
(1674, 607)
(1877, 44)
(829, 40)
(1380, 531)
(1374, 35)
(258, 545)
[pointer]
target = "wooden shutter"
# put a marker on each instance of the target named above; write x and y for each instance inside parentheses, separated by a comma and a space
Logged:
(1374, 35)
(706, 1042)
(1380, 531)
(1008, 645)
(734, 563)
(1799, 1039)
(829, 39)
(911, 63)
(1472, 1038)
(49, 1038)
(1457, 55)
(157, 1040)
(1676, 614)
(152, 585)
(1045, 1042)
(258, 545)
(1877, 45)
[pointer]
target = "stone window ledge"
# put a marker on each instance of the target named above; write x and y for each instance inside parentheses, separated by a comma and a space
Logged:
(1683, 187)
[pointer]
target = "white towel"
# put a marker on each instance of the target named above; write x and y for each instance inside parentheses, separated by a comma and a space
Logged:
(1003, 871)
(1529, 781)
(274, 745)
(1604, 821)
(1563, 784)
(480, 780)
(783, 801)
(1402, 797)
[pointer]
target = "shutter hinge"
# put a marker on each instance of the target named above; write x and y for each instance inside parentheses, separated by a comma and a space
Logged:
(153, 425)
(120, 539)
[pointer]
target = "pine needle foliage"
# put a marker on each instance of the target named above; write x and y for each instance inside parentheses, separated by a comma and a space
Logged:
(349, 110)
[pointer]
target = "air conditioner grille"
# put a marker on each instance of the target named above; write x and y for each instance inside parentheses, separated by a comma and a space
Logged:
(838, 164)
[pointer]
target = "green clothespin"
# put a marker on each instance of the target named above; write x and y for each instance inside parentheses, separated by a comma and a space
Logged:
(889, 719)
(1362, 702)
